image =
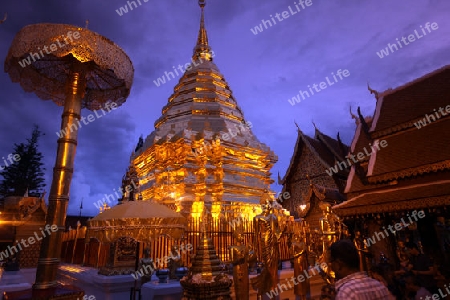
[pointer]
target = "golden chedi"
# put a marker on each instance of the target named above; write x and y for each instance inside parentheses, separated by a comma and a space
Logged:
(202, 154)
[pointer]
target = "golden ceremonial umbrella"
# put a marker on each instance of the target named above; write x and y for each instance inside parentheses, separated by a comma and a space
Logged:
(76, 68)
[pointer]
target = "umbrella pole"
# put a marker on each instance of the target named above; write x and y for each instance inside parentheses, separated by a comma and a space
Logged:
(136, 267)
(50, 253)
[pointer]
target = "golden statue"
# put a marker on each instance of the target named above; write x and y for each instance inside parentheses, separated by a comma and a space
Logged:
(344, 231)
(267, 235)
(363, 251)
(174, 262)
(329, 230)
(241, 257)
(300, 250)
(146, 266)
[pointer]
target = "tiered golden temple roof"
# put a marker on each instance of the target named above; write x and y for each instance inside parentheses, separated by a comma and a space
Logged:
(202, 148)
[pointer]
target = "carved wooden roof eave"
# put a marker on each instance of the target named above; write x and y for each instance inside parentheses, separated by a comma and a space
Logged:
(401, 127)
(409, 205)
(433, 193)
(410, 172)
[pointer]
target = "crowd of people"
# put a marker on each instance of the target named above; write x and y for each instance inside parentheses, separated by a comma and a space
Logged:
(417, 278)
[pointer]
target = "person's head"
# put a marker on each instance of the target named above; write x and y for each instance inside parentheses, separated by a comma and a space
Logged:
(343, 258)
(413, 248)
(412, 283)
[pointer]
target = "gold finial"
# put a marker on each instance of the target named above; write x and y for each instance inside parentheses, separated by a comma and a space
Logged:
(202, 51)
(4, 19)
(86, 24)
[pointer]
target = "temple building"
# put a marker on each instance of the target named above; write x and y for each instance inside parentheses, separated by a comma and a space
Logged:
(307, 179)
(405, 182)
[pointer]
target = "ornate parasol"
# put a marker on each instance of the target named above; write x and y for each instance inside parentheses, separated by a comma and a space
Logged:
(141, 220)
(76, 68)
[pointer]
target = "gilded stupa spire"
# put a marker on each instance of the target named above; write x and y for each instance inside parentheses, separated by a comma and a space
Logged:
(203, 143)
(202, 49)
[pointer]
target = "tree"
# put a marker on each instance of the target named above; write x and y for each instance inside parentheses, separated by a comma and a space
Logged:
(22, 170)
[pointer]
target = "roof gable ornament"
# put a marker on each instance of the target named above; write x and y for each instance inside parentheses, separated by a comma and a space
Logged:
(280, 180)
(354, 117)
(316, 130)
(372, 91)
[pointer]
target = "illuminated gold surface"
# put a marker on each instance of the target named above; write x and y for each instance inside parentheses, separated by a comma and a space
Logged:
(241, 257)
(89, 72)
(269, 227)
(299, 253)
(59, 191)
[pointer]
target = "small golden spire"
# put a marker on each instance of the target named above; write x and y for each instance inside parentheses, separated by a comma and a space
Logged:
(87, 24)
(202, 49)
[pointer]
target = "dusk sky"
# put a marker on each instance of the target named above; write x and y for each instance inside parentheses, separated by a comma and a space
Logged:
(304, 46)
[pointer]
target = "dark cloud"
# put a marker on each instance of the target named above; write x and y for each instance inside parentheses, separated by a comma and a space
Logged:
(263, 70)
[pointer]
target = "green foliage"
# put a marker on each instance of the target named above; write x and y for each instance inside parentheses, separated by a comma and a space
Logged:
(25, 172)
